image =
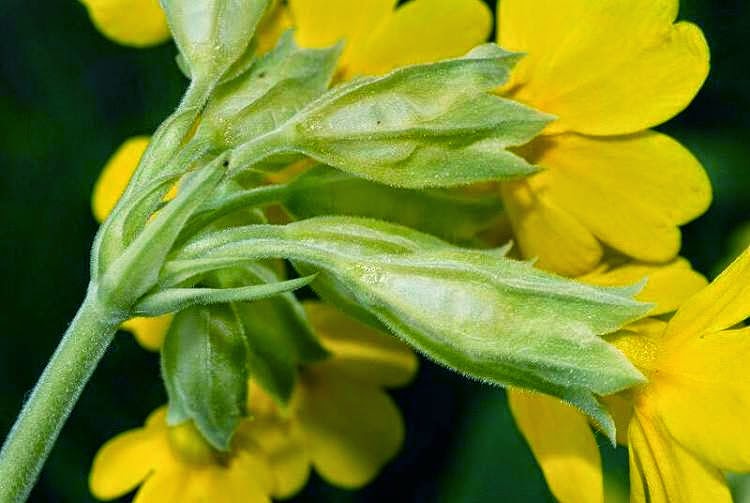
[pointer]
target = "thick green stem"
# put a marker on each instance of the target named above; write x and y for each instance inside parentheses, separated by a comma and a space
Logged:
(29, 442)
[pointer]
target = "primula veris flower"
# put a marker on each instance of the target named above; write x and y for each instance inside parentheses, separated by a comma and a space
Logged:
(136, 23)
(177, 464)
(689, 423)
(345, 423)
(380, 37)
(340, 421)
(609, 70)
(686, 425)
(560, 436)
(149, 332)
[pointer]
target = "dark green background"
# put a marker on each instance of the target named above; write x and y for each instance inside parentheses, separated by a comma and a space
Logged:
(68, 97)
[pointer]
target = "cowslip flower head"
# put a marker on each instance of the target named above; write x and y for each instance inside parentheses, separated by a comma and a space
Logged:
(135, 23)
(560, 437)
(609, 70)
(380, 37)
(273, 450)
(149, 332)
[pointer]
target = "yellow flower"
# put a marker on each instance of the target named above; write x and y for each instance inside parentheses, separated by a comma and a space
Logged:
(689, 423)
(609, 70)
(686, 425)
(149, 332)
(340, 421)
(560, 436)
(137, 23)
(177, 464)
(380, 37)
(348, 425)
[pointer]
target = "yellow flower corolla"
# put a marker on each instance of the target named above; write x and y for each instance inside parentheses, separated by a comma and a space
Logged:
(177, 464)
(136, 23)
(689, 423)
(347, 427)
(149, 332)
(340, 421)
(559, 435)
(608, 70)
(380, 37)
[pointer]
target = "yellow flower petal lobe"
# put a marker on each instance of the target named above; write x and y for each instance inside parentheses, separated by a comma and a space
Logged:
(323, 24)
(173, 483)
(116, 175)
(630, 192)
(352, 429)
(149, 332)
(284, 446)
(423, 31)
(668, 285)
(360, 351)
(703, 397)
(125, 461)
(629, 69)
(662, 471)
(723, 304)
(136, 23)
(546, 232)
(247, 479)
(563, 444)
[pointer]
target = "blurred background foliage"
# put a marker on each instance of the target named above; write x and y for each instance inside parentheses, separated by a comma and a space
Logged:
(68, 97)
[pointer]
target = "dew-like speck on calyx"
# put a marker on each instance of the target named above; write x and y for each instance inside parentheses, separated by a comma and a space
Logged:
(370, 274)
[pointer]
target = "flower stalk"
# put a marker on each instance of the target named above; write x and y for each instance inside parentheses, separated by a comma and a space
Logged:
(39, 423)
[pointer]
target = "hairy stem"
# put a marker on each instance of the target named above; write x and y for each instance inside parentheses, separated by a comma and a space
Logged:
(36, 429)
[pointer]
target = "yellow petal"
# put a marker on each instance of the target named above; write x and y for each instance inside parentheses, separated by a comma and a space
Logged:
(125, 461)
(423, 31)
(137, 23)
(661, 471)
(116, 175)
(170, 484)
(604, 67)
(352, 430)
(283, 444)
(248, 479)
(323, 24)
(668, 285)
(563, 445)
(546, 232)
(360, 351)
(157, 419)
(149, 332)
(724, 303)
(703, 395)
(630, 192)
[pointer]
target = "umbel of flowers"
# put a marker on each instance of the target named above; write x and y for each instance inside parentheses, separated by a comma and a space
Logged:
(330, 144)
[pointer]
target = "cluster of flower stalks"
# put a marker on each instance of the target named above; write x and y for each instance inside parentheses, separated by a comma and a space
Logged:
(502, 209)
